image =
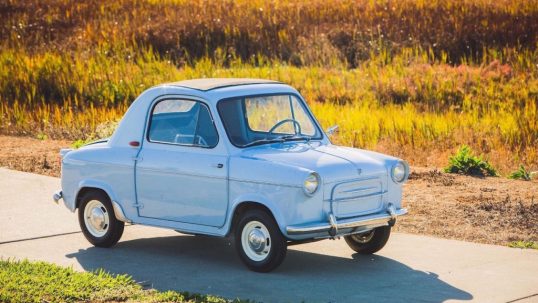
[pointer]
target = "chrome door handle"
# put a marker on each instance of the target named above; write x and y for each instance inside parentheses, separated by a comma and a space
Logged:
(218, 165)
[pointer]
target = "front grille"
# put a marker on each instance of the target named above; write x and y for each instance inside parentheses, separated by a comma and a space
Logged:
(357, 197)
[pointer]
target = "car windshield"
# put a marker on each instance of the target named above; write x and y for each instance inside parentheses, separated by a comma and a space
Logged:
(266, 119)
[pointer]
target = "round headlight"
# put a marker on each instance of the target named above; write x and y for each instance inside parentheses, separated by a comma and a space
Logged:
(311, 183)
(400, 172)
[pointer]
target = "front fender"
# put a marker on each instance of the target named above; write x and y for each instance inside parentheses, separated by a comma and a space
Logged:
(260, 199)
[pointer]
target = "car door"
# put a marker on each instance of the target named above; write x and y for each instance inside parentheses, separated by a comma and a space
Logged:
(181, 170)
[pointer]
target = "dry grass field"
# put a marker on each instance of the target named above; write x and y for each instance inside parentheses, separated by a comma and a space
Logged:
(416, 79)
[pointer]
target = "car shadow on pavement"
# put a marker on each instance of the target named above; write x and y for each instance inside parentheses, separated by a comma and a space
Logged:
(211, 266)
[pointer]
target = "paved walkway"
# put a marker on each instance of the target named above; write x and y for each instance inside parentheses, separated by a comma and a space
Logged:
(409, 269)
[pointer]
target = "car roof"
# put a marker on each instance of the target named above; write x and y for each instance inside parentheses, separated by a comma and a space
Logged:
(208, 84)
(210, 90)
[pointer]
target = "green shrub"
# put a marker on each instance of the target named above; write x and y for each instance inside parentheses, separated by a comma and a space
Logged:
(465, 162)
(79, 143)
(524, 244)
(521, 174)
(102, 131)
(41, 136)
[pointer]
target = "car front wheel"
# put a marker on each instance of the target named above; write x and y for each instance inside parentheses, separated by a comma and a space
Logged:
(97, 220)
(369, 242)
(258, 241)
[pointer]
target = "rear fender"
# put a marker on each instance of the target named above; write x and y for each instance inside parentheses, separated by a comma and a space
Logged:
(95, 184)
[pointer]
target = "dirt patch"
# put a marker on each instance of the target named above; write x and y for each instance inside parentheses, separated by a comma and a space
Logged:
(32, 155)
(504, 212)
(491, 210)
(487, 210)
(434, 176)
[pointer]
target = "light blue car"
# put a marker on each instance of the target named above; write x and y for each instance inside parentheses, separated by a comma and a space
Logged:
(241, 157)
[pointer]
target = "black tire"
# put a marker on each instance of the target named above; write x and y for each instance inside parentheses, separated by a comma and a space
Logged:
(278, 244)
(370, 242)
(114, 228)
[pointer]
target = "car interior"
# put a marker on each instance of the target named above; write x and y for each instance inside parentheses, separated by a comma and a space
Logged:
(191, 127)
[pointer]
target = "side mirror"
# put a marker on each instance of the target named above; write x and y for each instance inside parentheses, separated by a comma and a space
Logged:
(332, 130)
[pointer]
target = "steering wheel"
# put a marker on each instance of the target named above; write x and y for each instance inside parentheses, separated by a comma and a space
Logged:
(279, 123)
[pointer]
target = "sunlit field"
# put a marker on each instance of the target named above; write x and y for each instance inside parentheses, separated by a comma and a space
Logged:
(413, 78)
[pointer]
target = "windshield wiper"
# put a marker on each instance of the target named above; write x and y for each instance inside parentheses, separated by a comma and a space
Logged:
(296, 137)
(263, 141)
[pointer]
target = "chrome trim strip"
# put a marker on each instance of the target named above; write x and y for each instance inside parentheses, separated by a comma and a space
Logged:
(264, 182)
(356, 190)
(180, 172)
(360, 197)
(118, 212)
(363, 177)
(375, 220)
(333, 200)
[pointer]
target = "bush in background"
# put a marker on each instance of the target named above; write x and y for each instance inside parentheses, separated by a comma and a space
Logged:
(521, 174)
(465, 162)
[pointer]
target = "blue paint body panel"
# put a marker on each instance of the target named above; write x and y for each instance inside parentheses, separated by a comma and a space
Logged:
(197, 189)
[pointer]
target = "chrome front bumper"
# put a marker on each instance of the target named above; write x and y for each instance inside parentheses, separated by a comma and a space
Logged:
(349, 226)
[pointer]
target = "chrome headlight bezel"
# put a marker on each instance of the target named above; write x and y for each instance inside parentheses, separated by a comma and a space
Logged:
(311, 184)
(399, 172)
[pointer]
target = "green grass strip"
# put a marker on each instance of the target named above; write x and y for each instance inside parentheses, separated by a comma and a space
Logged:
(26, 281)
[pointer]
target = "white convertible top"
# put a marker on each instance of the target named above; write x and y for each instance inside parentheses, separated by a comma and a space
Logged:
(207, 84)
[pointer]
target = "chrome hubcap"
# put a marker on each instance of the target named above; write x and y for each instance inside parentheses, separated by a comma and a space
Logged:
(256, 241)
(96, 218)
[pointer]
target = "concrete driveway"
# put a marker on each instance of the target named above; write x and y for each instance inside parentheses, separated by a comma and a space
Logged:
(409, 269)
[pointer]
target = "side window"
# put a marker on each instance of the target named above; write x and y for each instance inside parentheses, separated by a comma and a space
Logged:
(183, 122)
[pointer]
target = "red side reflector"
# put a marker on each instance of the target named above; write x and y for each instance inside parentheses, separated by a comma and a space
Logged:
(134, 143)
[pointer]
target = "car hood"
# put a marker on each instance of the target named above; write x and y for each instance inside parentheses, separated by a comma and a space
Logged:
(331, 162)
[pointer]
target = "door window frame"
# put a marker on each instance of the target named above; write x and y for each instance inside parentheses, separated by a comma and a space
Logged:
(202, 103)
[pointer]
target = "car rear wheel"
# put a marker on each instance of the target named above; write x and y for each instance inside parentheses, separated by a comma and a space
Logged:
(97, 220)
(369, 242)
(258, 241)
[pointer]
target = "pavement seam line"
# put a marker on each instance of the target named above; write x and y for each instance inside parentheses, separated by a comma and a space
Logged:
(45, 237)
(523, 298)
(40, 237)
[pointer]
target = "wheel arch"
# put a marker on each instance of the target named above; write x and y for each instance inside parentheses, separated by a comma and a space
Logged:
(91, 185)
(255, 202)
